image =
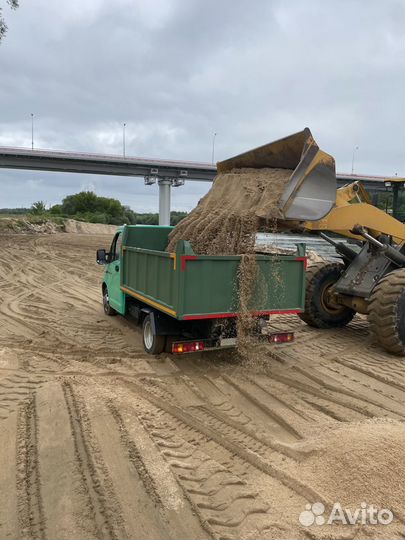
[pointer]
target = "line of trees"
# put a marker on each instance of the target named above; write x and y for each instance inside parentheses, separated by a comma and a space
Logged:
(87, 206)
(14, 211)
(153, 219)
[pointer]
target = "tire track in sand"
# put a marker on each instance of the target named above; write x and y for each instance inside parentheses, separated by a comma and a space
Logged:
(9, 523)
(228, 508)
(65, 498)
(15, 389)
(135, 456)
(30, 507)
(234, 447)
(153, 504)
(104, 507)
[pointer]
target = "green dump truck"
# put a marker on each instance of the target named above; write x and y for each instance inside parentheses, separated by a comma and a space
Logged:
(187, 302)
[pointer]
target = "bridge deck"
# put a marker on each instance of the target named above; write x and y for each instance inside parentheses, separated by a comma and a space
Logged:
(80, 162)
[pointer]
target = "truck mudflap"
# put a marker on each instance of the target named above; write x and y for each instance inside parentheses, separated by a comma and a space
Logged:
(162, 325)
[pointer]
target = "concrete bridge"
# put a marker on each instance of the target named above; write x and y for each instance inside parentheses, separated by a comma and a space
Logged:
(166, 173)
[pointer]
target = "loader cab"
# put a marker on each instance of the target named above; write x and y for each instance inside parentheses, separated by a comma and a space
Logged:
(396, 199)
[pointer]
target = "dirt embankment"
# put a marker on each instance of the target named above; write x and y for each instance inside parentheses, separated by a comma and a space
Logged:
(27, 225)
(82, 227)
(100, 440)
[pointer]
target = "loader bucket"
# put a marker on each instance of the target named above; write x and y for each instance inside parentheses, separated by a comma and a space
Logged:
(310, 193)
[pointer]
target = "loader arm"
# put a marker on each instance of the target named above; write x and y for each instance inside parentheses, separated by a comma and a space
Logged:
(354, 192)
(353, 207)
(343, 219)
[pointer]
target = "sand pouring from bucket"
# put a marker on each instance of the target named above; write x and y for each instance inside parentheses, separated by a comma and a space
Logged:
(310, 193)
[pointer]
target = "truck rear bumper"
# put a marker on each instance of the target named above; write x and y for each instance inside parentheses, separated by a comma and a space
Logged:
(191, 346)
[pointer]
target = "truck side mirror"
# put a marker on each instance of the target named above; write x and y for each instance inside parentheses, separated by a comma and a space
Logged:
(101, 256)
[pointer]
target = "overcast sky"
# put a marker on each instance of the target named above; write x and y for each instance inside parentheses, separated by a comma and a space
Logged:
(178, 70)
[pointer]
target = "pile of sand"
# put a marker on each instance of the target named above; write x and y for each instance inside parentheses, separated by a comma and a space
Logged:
(24, 225)
(239, 204)
(81, 227)
(355, 463)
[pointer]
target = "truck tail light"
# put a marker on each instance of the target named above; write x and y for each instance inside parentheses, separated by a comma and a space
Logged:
(180, 347)
(282, 337)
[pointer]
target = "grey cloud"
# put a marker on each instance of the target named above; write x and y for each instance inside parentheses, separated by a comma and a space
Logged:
(176, 70)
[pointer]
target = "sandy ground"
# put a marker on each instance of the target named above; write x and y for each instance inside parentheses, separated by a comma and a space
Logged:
(99, 440)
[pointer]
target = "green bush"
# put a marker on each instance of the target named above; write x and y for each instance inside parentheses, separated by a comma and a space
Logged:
(38, 208)
(87, 206)
(56, 210)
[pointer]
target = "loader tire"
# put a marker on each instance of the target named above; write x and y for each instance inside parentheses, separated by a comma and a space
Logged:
(386, 312)
(319, 312)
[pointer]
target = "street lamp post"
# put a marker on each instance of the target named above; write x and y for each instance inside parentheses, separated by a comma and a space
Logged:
(32, 131)
(213, 147)
(354, 151)
(123, 138)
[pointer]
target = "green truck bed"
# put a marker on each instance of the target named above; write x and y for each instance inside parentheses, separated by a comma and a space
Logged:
(187, 286)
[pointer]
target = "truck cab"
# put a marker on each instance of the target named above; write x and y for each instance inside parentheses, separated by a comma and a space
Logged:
(113, 297)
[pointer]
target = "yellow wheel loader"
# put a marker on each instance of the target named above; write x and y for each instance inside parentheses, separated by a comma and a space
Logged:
(371, 281)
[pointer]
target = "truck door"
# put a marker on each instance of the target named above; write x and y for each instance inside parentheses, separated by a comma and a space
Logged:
(113, 275)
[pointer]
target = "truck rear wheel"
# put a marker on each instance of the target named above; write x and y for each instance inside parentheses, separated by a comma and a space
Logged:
(108, 310)
(387, 312)
(320, 311)
(152, 343)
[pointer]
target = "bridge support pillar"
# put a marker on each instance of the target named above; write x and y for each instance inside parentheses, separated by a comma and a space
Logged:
(165, 185)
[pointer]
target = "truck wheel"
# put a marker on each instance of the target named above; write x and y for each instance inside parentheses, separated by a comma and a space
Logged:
(320, 312)
(108, 310)
(152, 343)
(386, 313)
